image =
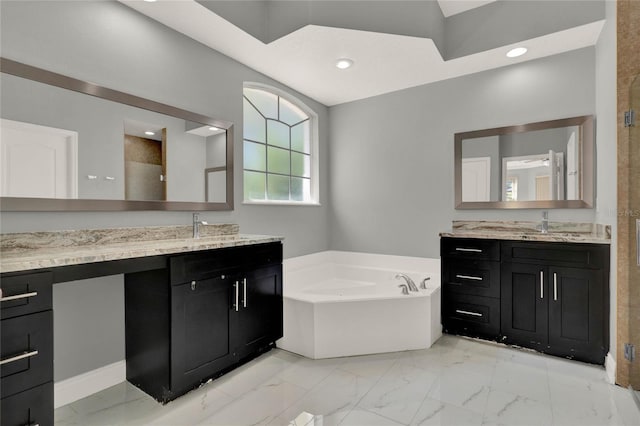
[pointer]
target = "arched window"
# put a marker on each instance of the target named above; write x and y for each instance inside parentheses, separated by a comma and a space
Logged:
(280, 154)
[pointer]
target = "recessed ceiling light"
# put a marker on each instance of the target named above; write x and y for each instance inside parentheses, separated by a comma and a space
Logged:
(344, 63)
(148, 133)
(150, 1)
(213, 129)
(518, 51)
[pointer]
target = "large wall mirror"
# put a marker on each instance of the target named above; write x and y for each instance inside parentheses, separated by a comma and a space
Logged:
(70, 145)
(547, 165)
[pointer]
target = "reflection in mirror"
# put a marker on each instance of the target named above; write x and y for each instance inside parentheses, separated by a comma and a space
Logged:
(66, 139)
(145, 161)
(539, 165)
(533, 177)
(37, 161)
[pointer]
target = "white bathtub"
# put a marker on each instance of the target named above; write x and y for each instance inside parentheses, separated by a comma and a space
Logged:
(343, 303)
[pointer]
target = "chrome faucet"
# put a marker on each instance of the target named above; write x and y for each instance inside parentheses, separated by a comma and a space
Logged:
(410, 283)
(423, 284)
(544, 226)
(196, 225)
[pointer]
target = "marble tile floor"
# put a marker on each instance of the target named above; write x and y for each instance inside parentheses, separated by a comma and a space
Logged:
(456, 382)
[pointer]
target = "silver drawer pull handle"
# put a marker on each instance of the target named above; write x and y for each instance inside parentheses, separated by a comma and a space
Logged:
(555, 286)
(19, 296)
(19, 357)
(469, 277)
(541, 284)
(475, 314)
(237, 290)
(244, 292)
(469, 249)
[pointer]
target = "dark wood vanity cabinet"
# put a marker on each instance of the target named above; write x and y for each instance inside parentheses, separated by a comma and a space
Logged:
(555, 298)
(26, 350)
(552, 296)
(204, 314)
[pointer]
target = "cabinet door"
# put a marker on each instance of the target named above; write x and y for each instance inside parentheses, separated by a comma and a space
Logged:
(524, 309)
(576, 313)
(260, 316)
(201, 317)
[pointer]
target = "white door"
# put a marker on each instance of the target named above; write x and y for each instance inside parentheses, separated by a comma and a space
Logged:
(573, 190)
(37, 161)
(476, 179)
(553, 177)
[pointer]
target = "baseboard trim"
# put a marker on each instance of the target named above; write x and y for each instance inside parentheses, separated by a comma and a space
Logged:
(610, 368)
(80, 386)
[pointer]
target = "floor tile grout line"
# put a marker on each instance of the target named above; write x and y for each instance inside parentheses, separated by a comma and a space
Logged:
(356, 404)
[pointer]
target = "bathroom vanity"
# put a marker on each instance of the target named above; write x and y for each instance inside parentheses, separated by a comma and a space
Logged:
(513, 284)
(194, 308)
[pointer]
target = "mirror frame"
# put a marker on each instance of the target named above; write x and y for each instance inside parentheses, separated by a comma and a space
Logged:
(40, 75)
(587, 165)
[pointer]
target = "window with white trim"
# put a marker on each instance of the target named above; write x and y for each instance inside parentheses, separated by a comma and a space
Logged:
(280, 161)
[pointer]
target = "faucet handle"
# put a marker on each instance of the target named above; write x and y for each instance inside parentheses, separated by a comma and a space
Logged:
(405, 289)
(423, 284)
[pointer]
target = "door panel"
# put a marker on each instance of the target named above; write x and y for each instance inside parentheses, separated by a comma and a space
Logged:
(260, 318)
(524, 311)
(576, 315)
(200, 339)
(633, 307)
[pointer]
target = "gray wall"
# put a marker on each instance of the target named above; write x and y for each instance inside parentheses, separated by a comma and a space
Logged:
(392, 155)
(112, 45)
(606, 148)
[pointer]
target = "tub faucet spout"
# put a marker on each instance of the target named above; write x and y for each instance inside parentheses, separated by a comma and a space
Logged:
(410, 283)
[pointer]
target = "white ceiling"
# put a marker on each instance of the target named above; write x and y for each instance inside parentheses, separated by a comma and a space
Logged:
(305, 59)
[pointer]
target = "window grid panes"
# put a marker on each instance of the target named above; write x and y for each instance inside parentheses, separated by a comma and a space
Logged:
(277, 149)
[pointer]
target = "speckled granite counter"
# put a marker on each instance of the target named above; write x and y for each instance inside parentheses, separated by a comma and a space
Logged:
(38, 250)
(567, 232)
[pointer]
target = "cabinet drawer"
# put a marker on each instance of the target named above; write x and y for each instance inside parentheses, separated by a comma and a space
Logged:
(263, 254)
(471, 315)
(202, 265)
(593, 256)
(31, 407)
(26, 352)
(25, 294)
(476, 277)
(470, 248)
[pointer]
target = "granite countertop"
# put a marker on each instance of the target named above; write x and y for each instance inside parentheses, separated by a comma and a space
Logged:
(567, 232)
(38, 250)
